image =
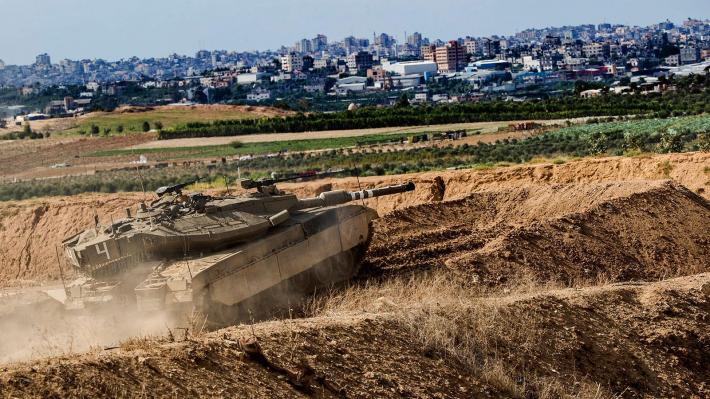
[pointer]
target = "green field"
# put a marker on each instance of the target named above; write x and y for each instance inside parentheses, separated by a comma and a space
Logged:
(697, 124)
(252, 148)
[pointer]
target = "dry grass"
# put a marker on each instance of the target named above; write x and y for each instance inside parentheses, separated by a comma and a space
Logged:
(469, 325)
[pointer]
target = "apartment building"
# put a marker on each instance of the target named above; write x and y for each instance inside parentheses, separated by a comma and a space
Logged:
(360, 61)
(291, 62)
(451, 57)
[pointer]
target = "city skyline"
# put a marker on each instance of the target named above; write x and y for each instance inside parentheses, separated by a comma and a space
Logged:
(158, 31)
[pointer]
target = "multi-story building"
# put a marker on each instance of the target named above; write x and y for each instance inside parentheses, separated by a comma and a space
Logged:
(291, 62)
(360, 61)
(688, 55)
(415, 40)
(450, 57)
(429, 52)
(321, 63)
(319, 43)
(43, 60)
(470, 46)
(593, 50)
(304, 46)
(672, 60)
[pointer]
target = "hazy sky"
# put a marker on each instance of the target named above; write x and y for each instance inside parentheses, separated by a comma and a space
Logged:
(114, 29)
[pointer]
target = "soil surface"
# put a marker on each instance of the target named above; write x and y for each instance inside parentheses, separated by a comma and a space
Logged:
(586, 279)
(484, 127)
(633, 339)
(31, 229)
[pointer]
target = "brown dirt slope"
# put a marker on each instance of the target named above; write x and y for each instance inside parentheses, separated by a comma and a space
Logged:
(632, 340)
(566, 233)
(29, 230)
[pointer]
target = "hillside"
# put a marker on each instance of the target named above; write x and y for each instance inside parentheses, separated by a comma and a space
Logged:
(587, 279)
(32, 228)
(591, 343)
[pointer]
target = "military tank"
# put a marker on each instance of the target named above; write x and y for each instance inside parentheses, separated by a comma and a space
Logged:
(230, 258)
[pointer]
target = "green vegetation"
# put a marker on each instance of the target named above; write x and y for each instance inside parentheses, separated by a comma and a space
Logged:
(613, 138)
(239, 148)
(404, 115)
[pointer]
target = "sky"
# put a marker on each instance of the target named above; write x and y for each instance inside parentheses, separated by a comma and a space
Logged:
(111, 30)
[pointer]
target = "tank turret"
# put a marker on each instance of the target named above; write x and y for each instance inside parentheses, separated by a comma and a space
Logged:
(224, 255)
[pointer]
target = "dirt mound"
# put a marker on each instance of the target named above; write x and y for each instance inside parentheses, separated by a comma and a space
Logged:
(571, 233)
(691, 170)
(633, 340)
(31, 229)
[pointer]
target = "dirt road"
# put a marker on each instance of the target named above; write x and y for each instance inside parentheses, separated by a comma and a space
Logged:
(485, 127)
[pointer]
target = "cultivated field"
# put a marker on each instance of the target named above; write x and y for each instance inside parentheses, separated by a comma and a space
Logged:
(483, 127)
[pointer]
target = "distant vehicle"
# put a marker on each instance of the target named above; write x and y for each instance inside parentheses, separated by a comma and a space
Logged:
(60, 165)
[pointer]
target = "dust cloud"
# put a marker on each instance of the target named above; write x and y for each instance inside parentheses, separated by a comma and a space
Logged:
(35, 325)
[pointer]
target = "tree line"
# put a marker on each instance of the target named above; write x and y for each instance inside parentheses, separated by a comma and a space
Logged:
(669, 104)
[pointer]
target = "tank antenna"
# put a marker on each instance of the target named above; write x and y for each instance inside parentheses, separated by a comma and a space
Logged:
(357, 176)
(226, 183)
(140, 177)
(61, 272)
(184, 247)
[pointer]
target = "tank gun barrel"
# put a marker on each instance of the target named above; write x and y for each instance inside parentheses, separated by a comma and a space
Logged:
(176, 188)
(249, 183)
(331, 198)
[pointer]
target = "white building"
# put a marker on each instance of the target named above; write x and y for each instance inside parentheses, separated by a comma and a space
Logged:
(411, 67)
(291, 62)
(249, 78)
(531, 64)
(259, 95)
(321, 63)
(422, 97)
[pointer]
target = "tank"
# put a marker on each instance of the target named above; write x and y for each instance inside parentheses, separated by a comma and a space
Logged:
(230, 258)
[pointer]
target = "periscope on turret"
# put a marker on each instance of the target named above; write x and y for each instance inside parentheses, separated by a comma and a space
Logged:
(230, 258)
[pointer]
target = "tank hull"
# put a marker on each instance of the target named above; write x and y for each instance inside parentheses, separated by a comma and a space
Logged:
(312, 250)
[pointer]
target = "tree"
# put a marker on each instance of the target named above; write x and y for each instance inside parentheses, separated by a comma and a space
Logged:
(671, 141)
(146, 126)
(119, 128)
(3, 123)
(598, 143)
(158, 125)
(403, 101)
(94, 130)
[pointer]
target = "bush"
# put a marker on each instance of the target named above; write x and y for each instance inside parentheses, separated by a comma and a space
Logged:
(671, 141)
(146, 127)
